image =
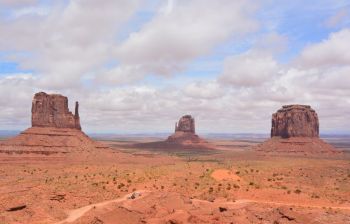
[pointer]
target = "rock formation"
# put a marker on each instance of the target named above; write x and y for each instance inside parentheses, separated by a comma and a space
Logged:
(54, 129)
(185, 131)
(295, 129)
(184, 137)
(186, 124)
(51, 110)
(295, 121)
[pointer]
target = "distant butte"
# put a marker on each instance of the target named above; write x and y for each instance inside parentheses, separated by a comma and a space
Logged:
(295, 129)
(185, 133)
(185, 137)
(295, 121)
(54, 129)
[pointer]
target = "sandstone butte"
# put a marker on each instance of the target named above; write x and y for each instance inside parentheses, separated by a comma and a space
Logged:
(185, 137)
(185, 132)
(51, 110)
(54, 129)
(295, 129)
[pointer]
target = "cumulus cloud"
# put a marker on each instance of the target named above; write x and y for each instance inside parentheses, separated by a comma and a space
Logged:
(249, 69)
(184, 31)
(204, 90)
(334, 51)
(68, 43)
(16, 91)
(79, 49)
(319, 78)
(17, 2)
(339, 17)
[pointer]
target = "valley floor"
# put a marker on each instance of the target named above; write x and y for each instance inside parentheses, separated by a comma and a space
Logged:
(132, 185)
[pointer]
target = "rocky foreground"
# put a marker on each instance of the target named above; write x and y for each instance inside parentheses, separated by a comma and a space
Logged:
(133, 186)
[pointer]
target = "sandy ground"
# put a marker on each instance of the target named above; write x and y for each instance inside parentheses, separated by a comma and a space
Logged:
(233, 185)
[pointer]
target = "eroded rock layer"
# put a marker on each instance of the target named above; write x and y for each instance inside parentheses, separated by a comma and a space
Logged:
(296, 145)
(47, 141)
(51, 110)
(295, 121)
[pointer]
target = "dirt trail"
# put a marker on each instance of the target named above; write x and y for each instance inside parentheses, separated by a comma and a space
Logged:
(297, 205)
(240, 202)
(75, 214)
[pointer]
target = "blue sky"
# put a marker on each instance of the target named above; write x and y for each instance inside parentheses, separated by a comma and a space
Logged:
(138, 66)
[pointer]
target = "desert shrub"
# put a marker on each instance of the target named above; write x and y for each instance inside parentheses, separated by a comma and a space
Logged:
(297, 191)
(315, 196)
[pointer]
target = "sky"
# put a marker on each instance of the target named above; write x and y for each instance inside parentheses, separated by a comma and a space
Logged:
(138, 66)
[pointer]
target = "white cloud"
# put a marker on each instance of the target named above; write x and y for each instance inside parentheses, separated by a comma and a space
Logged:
(16, 91)
(249, 69)
(204, 90)
(78, 42)
(17, 3)
(68, 43)
(339, 17)
(334, 51)
(189, 30)
(320, 78)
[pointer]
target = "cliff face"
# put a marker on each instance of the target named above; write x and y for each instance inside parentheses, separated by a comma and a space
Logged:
(185, 124)
(295, 121)
(51, 110)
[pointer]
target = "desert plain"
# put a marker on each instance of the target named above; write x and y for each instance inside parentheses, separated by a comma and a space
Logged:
(129, 184)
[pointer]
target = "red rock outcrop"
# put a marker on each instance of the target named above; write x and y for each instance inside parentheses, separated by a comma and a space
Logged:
(47, 141)
(295, 121)
(51, 110)
(184, 137)
(185, 132)
(54, 130)
(186, 124)
(295, 130)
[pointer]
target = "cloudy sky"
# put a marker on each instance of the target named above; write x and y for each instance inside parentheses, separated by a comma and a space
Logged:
(137, 66)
